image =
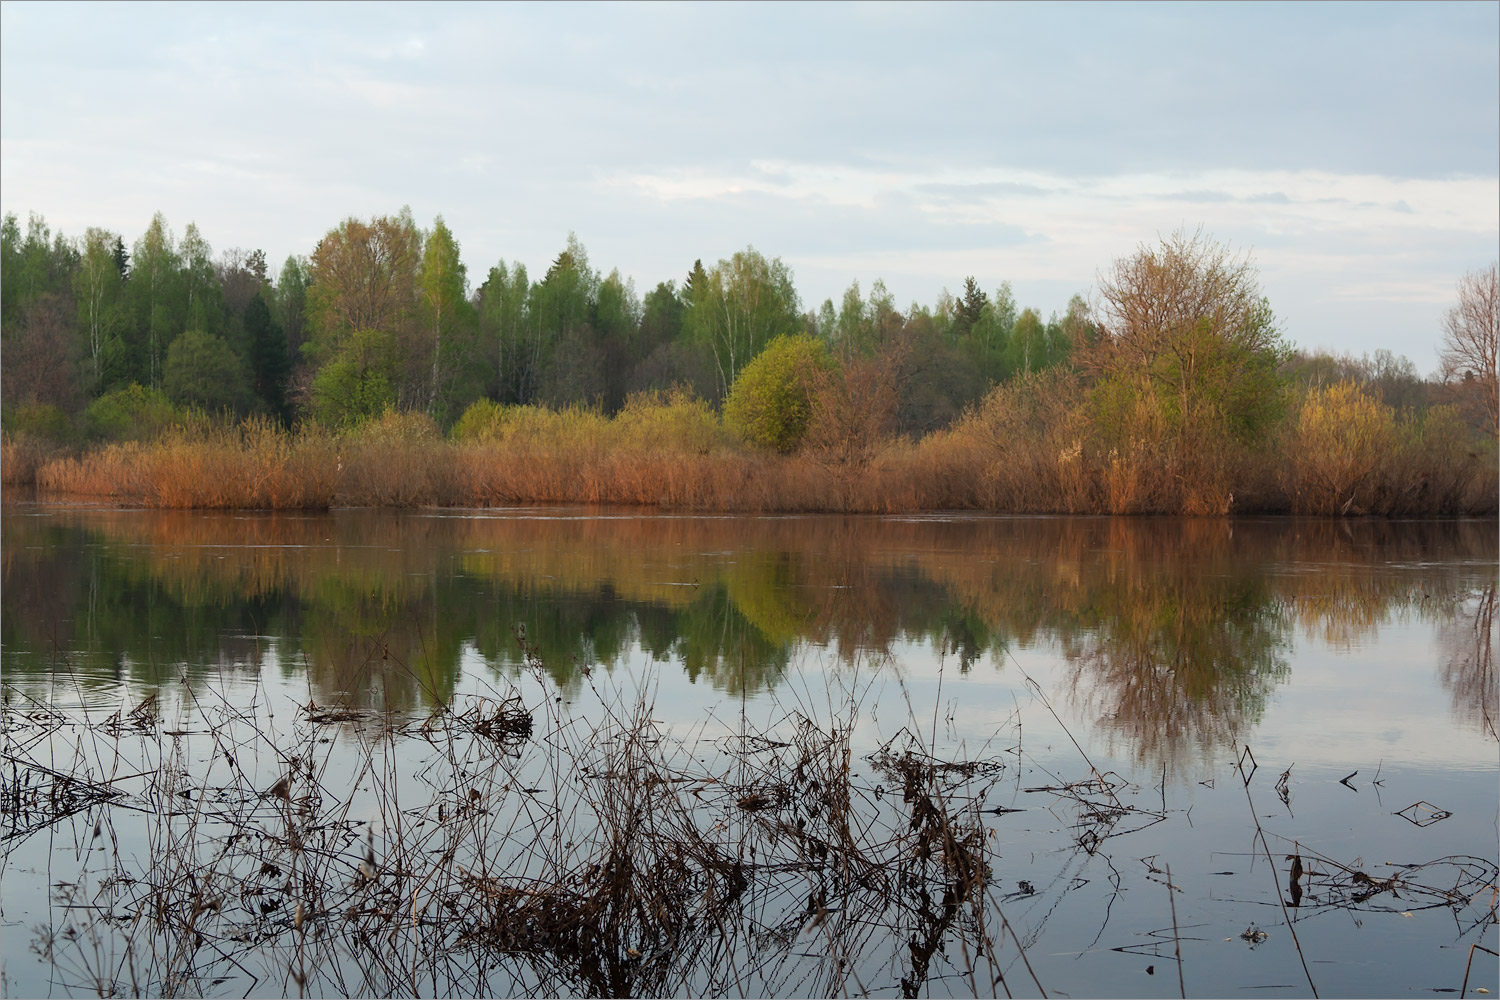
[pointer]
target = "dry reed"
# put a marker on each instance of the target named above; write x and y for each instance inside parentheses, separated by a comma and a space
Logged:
(1029, 447)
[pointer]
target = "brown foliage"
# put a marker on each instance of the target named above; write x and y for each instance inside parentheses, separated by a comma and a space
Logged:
(41, 357)
(1470, 338)
(364, 275)
(1027, 447)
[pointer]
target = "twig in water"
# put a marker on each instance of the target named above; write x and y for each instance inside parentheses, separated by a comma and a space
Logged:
(1176, 940)
(1465, 988)
(1261, 834)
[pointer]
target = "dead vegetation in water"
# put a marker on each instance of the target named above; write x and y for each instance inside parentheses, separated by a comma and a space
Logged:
(522, 852)
(503, 846)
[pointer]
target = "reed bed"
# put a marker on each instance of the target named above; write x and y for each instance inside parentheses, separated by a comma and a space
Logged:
(1029, 447)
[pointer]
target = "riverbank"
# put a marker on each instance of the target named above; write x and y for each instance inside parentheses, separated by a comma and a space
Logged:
(1339, 456)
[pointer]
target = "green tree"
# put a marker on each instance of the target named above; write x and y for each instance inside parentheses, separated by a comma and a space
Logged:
(46, 263)
(443, 285)
(364, 278)
(969, 310)
(202, 300)
(203, 371)
(270, 366)
(122, 258)
(739, 306)
(1189, 346)
(98, 292)
(1027, 351)
(10, 268)
(661, 317)
(573, 369)
(290, 301)
(154, 273)
(1185, 322)
(770, 402)
(616, 326)
(132, 413)
(509, 334)
(358, 382)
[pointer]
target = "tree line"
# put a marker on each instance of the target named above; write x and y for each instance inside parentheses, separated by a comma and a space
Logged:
(383, 314)
(102, 339)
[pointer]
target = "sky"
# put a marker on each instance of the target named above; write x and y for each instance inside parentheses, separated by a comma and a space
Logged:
(1352, 150)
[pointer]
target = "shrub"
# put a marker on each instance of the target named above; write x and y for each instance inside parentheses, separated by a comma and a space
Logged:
(202, 371)
(134, 413)
(484, 420)
(1027, 435)
(1341, 440)
(675, 421)
(43, 421)
(358, 383)
(769, 404)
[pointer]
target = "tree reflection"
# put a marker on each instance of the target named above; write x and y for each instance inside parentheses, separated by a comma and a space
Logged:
(1467, 666)
(1176, 631)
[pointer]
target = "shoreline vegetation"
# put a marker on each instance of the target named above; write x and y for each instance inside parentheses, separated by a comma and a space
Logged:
(1343, 454)
(370, 375)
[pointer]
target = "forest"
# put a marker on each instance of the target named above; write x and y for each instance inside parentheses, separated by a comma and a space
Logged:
(375, 372)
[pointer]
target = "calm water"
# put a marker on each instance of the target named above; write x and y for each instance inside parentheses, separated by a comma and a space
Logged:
(1105, 684)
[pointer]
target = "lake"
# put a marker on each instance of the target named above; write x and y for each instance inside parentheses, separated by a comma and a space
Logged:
(583, 752)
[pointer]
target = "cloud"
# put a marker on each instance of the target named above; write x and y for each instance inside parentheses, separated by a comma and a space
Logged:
(1199, 196)
(970, 194)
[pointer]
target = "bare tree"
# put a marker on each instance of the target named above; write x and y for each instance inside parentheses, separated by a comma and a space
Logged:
(1469, 341)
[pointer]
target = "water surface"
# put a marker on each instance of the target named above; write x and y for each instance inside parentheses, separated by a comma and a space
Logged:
(1107, 684)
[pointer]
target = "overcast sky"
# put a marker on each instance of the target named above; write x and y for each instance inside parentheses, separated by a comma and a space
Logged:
(1354, 149)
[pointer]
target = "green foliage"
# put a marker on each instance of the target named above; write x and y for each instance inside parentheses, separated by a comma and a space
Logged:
(363, 279)
(738, 307)
(662, 317)
(484, 420)
(153, 284)
(1187, 369)
(969, 310)
(201, 297)
(511, 343)
(40, 420)
(203, 371)
(10, 264)
(770, 402)
(134, 413)
(676, 421)
(269, 364)
(447, 317)
(290, 301)
(358, 383)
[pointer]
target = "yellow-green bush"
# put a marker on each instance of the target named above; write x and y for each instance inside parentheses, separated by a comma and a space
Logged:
(770, 401)
(1338, 450)
(676, 421)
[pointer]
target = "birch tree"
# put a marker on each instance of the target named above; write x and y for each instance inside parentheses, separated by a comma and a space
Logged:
(739, 306)
(443, 285)
(96, 286)
(153, 272)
